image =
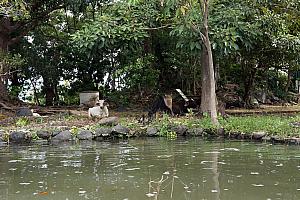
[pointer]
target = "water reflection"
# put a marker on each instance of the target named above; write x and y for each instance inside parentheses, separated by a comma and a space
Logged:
(153, 168)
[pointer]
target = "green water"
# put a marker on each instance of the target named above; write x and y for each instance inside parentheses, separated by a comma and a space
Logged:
(154, 168)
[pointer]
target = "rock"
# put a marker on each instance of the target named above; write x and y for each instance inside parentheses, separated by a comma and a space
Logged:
(120, 130)
(109, 121)
(234, 135)
(55, 133)
(195, 131)
(258, 135)
(18, 137)
(44, 134)
(85, 135)
(103, 131)
(277, 139)
(266, 139)
(295, 124)
(294, 140)
(221, 131)
(23, 112)
(180, 129)
(241, 136)
(63, 136)
(1, 134)
(151, 132)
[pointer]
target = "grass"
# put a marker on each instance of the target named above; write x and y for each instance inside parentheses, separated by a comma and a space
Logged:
(276, 125)
(273, 125)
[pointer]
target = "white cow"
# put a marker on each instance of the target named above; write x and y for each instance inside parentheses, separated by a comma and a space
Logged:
(99, 110)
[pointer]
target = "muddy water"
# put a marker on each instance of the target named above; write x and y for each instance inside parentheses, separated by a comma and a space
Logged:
(154, 168)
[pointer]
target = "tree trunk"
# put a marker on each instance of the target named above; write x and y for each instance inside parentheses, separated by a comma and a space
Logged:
(287, 86)
(49, 92)
(248, 84)
(208, 92)
(3, 50)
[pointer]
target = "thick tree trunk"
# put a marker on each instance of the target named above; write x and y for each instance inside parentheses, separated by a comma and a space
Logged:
(208, 92)
(248, 84)
(3, 49)
(49, 91)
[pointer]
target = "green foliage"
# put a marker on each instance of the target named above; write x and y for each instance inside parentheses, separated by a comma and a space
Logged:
(163, 126)
(16, 9)
(22, 121)
(140, 74)
(111, 30)
(273, 125)
(148, 45)
(74, 130)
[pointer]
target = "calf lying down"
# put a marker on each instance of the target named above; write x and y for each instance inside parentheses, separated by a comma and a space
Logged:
(99, 110)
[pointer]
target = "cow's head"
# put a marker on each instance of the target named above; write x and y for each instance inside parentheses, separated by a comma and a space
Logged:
(101, 103)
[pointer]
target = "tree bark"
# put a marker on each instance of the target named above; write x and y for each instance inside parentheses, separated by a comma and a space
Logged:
(49, 91)
(248, 85)
(3, 50)
(287, 86)
(208, 92)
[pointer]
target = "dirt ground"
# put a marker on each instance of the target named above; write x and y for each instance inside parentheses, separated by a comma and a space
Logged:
(77, 116)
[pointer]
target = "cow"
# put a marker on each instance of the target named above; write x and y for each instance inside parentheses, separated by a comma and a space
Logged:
(182, 107)
(99, 110)
(163, 104)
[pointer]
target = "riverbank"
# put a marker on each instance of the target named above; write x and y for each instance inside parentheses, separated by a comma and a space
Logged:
(67, 126)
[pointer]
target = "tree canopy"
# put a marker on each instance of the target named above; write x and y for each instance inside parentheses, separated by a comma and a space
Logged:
(139, 49)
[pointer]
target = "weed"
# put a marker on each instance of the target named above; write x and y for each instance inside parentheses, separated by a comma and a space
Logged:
(22, 121)
(74, 130)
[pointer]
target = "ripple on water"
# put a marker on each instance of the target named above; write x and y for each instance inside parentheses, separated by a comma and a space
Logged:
(212, 152)
(229, 149)
(257, 185)
(132, 169)
(164, 156)
(14, 161)
(24, 183)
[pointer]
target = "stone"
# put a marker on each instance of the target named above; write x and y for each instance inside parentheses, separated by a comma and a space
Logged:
(120, 130)
(1, 134)
(43, 134)
(266, 139)
(151, 131)
(103, 131)
(277, 139)
(258, 135)
(234, 135)
(18, 137)
(180, 129)
(109, 121)
(295, 124)
(221, 131)
(85, 135)
(55, 133)
(195, 132)
(294, 140)
(63, 136)
(23, 112)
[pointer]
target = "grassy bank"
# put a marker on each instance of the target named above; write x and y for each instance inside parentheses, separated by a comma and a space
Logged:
(271, 125)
